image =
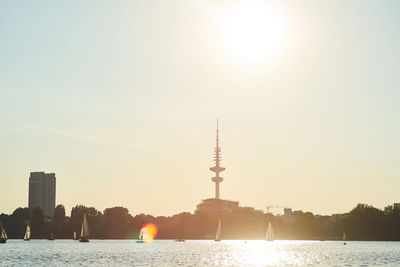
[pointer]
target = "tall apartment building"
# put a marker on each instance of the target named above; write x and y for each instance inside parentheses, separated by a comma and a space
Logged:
(42, 192)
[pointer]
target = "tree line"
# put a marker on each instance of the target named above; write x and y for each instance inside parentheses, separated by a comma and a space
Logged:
(364, 222)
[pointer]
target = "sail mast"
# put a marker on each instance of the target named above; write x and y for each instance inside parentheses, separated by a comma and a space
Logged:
(85, 227)
(218, 235)
(3, 232)
(27, 233)
(269, 236)
(84, 230)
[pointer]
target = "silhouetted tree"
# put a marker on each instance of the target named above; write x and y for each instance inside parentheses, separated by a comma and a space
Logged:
(95, 220)
(364, 222)
(59, 213)
(118, 223)
(17, 221)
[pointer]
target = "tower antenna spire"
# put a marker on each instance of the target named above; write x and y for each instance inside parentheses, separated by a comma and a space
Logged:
(217, 168)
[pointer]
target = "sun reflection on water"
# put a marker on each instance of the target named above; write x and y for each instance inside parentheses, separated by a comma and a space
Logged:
(259, 252)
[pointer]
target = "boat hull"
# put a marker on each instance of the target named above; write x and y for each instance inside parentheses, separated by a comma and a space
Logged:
(2, 241)
(84, 240)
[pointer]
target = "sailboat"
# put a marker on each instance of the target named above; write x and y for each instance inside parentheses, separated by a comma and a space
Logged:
(27, 236)
(344, 238)
(218, 235)
(75, 238)
(269, 236)
(85, 230)
(51, 237)
(3, 235)
(142, 235)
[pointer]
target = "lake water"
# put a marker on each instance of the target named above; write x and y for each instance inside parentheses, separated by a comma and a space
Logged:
(198, 253)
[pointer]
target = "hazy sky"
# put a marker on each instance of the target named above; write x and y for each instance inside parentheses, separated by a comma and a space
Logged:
(120, 98)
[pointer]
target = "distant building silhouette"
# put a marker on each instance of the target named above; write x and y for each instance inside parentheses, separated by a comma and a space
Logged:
(217, 169)
(42, 192)
(216, 205)
(288, 216)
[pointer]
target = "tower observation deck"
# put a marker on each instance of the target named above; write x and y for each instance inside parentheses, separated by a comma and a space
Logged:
(217, 168)
(216, 205)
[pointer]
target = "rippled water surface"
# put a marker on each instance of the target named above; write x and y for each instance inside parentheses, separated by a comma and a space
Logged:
(198, 253)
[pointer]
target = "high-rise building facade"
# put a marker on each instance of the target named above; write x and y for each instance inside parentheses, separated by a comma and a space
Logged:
(42, 192)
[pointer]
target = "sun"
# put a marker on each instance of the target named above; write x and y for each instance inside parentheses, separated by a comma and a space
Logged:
(252, 31)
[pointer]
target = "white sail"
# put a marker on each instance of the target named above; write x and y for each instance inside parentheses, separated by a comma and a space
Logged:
(143, 233)
(3, 232)
(218, 235)
(27, 233)
(85, 227)
(344, 236)
(269, 236)
(74, 235)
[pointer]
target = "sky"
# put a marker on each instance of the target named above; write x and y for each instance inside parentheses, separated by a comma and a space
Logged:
(120, 100)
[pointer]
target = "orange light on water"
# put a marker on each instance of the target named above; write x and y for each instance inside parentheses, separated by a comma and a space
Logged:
(150, 230)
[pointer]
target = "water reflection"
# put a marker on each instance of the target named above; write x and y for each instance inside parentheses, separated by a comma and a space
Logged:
(253, 252)
(198, 253)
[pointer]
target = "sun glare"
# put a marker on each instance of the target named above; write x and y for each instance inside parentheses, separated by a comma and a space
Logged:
(149, 231)
(252, 31)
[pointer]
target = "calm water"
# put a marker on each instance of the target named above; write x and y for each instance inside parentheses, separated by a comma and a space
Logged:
(198, 253)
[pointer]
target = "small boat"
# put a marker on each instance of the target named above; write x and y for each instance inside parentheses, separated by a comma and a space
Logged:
(344, 238)
(84, 230)
(51, 238)
(142, 235)
(269, 235)
(27, 236)
(218, 235)
(3, 235)
(180, 240)
(75, 238)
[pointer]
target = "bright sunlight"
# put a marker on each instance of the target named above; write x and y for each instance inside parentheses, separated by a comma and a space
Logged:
(252, 31)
